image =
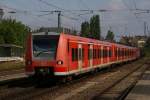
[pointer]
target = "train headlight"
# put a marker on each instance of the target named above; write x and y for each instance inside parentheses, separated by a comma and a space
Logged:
(59, 62)
(28, 62)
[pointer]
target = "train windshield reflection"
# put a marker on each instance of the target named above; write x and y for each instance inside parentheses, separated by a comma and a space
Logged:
(44, 47)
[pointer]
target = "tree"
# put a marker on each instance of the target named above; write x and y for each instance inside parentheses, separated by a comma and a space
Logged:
(13, 32)
(147, 44)
(95, 27)
(110, 36)
(85, 29)
(1, 40)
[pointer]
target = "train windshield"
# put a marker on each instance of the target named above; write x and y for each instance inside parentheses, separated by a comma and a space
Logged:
(45, 46)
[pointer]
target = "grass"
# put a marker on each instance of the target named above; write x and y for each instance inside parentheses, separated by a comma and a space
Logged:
(11, 65)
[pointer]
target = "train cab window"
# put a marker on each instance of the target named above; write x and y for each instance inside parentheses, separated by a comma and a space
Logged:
(45, 46)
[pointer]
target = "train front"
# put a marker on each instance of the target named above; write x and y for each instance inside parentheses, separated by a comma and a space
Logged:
(41, 53)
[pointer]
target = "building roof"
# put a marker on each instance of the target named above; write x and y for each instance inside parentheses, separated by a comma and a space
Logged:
(10, 45)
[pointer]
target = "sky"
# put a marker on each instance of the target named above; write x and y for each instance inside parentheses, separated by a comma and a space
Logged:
(123, 17)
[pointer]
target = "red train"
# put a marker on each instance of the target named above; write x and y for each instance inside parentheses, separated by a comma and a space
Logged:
(65, 55)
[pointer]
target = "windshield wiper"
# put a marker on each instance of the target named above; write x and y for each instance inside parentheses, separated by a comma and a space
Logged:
(41, 52)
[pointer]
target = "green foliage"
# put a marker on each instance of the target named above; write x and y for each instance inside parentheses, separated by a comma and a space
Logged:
(85, 29)
(147, 47)
(110, 36)
(92, 29)
(13, 32)
(95, 27)
(147, 44)
(2, 40)
(125, 40)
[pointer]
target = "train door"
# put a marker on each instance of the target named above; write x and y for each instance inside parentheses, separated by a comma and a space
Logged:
(117, 53)
(102, 55)
(108, 54)
(90, 55)
(80, 57)
(73, 56)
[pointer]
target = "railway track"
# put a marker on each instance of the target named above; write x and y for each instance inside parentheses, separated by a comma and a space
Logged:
(119, 89)
(86, 87)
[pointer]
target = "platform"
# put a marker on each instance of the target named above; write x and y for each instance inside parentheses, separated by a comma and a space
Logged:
(141, 91)
(12, 76)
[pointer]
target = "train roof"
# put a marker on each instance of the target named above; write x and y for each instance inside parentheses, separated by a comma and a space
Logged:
(83, 39)
(94, 41)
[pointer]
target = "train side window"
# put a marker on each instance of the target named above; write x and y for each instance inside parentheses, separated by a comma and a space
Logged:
(76, 54)
(88, 53)
(93, 53)
(82, 54)
(107, 53)
(99, 52)
(73, 54)
(97, 56)
(116, 52)
(119, 52)
(103, 53)
(110, 53)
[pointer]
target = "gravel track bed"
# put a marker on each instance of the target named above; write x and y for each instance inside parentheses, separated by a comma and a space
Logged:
(12, 71)
(84, 88)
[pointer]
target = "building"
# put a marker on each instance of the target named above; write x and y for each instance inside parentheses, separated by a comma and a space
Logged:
(138, 41)
(10, 50)
(141, 41)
